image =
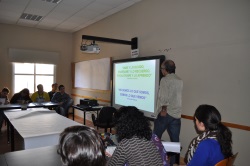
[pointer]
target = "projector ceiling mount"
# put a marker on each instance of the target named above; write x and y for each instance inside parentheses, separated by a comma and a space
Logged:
(93, 48)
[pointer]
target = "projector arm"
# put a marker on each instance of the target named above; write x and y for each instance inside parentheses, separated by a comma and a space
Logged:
(133, 42)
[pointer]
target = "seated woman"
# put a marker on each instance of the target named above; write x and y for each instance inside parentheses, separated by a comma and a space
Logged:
(81, 145)
(215, 141)
(134, 136)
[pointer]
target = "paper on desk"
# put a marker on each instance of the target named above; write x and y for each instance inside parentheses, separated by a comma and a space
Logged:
(110, 149)
(172, 146)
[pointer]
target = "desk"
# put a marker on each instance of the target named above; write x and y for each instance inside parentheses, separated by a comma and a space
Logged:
(30, 105)
(38, 127)
(2, 161)
(85, 109)
(45, 156)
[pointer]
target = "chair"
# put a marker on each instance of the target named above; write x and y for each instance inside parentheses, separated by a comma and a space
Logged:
(104, 118)
(228, 161)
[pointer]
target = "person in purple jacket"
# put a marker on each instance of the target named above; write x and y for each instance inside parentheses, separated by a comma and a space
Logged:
(214, 142)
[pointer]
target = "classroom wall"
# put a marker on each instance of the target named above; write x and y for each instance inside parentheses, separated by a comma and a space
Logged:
(208, 40)
(12, 36)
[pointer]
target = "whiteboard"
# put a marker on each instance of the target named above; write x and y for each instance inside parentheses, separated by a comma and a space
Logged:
(93, 74)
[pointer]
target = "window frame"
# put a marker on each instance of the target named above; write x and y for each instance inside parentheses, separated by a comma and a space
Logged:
(34, 75)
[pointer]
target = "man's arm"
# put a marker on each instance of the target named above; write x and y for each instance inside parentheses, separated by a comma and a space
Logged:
(55, 98)
(13, 99)
(33, 96)
(163, 97)
(46, 96)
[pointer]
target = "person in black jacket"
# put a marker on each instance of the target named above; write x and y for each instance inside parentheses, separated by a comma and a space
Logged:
(23, 95)
(64, 100)
(53, 91)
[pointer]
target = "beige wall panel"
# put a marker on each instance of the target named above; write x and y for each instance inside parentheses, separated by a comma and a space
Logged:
(208, 40)
(35, 39)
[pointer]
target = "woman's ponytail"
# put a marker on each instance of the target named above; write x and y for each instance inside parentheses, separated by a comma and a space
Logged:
(224, 137)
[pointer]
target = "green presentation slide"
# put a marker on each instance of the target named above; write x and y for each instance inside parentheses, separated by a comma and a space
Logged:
(135, 84)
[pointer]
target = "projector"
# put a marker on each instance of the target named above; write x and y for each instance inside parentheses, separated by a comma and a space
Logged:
(93, 48)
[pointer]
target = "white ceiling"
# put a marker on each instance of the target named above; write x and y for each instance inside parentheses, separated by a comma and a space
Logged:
(66, 16)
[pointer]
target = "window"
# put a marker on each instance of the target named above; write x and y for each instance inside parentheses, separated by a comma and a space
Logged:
(29, 75)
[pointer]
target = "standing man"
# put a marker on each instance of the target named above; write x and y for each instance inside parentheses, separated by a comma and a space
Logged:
(4, 94)
(169, 105)
(40, 96)
(64, 100)
(53, 91)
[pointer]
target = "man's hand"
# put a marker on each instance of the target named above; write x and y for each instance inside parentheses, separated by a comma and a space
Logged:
(164, 111)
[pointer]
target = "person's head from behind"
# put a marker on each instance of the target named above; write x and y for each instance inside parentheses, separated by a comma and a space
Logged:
(81, 145)
(208, 118)
(25, 92)
(168, 67)
(5, 91)
(132, 122)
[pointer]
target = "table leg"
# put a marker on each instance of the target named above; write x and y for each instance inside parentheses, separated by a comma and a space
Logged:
(84, 113)
(97, 113)
(8, 131)
(73, 110)
(12, 138)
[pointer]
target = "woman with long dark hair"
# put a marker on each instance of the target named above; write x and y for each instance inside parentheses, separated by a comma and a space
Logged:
(134, 135)
(215, 141)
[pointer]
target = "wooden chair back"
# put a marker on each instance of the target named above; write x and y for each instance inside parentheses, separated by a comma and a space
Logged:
(228, 161)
